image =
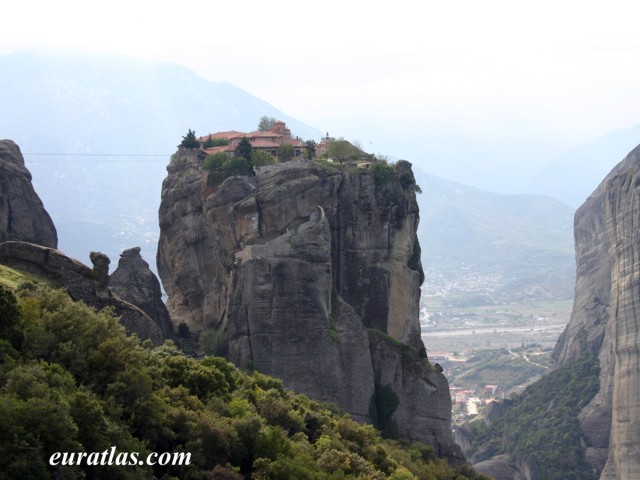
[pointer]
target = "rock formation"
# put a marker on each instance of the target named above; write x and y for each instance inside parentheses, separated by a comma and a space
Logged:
(101, 273)
(28, 241)
(80, 282)
(22, 215)
(604, 321)
(134, 281)
(313, 273)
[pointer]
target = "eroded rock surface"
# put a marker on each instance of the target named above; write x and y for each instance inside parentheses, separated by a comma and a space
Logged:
(604, 321)
(80, 282)
(22, 215)
(300, 266)
(134, 281)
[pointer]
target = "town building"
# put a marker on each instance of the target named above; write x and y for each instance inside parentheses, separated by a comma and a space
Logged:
(267, 141)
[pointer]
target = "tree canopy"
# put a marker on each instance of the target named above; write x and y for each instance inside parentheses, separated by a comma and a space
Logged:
(543, 422)
(285, 152)
(215, 142)
(310, 149)
(244, 149)
(78, 383)
(266, 123)
(190, 141)
(341, 150)
(260, 158)
(220, 167)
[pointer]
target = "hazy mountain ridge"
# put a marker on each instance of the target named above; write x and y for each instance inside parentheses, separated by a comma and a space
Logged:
(113, 104)
(572, 176)
(466, 231)
(75, 104)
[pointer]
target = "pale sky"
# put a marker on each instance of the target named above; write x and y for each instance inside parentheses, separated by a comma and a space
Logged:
(555, 73)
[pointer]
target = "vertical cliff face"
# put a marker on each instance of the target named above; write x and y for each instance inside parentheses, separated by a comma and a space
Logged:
(313, 273)
(134, 281)
(22, 215)
(605, 322)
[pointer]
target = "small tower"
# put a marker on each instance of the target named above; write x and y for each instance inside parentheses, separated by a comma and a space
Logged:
(280, 128)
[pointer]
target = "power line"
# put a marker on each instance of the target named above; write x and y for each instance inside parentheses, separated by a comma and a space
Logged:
(99, 154)
(134, 157)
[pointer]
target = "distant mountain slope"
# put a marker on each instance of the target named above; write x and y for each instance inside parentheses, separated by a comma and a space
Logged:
(574, 175)
(81, 104)
(526, 239)
(62, 104)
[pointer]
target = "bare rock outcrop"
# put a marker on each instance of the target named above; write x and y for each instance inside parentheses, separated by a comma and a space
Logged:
(134, 281)
(101, 263)
(313, 273)
(80, 282)
(22, 215)
(604, 321)
(497, 468)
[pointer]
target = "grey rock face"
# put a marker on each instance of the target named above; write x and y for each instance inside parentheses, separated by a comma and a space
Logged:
(22, 215)
(295, 265)
(134, 281)
(79, 281)
(424, 408)
(497, 468)
(604, 321)
(101, 273)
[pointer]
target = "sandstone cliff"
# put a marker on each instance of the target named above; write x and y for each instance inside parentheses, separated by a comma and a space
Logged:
(134, 281)
(81, 282)
(604, 321)
(22, 215)
(313, 273)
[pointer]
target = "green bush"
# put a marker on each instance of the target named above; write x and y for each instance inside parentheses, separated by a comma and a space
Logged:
(260, 158)
(221, 167)
(9, 316)
(215, 142)
(383, 173)
(285, 152)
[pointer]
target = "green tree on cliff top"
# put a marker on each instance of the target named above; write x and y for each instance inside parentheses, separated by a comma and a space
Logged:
(190, 141)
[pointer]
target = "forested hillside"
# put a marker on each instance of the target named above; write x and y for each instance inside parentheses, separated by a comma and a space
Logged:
(542, 424)
(72, 381)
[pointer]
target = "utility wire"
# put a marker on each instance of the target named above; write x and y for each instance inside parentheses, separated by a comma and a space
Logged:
(135, 155)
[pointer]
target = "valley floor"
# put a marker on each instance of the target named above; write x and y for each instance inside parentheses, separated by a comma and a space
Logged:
(490, 347)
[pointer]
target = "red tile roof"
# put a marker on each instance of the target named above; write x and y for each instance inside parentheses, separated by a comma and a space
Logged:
(260, 143)
(258, 139)
(229, 135)
(223, 148)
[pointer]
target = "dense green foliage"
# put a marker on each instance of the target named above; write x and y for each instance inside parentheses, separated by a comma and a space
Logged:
(285, 152)
(244, 149)
(76, 383)
(383, 173)
(221, 166)
(9, 316)
(260, 158)
(543, 422)
(215, 142)
(310, 147)
(266, 123)
(190, 141)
